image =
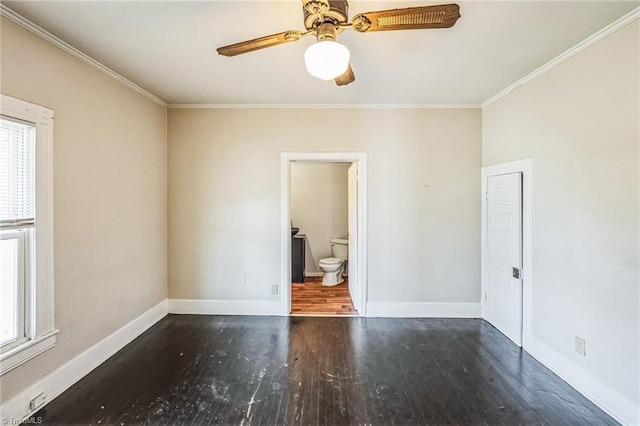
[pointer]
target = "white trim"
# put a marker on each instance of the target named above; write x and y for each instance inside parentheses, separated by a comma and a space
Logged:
(65, 376)
(584, 44)
(608, 399)
(23, 353)
(285, 236)
(314, 274)
(525, 167)
(47, 36)
(324, 106)
(223, 307)
(24, 110)
(423, 310)
(40, 303)
(285, 220)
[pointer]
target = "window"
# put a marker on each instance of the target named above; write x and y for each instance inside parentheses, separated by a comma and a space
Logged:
(12, 287)
(26, 232)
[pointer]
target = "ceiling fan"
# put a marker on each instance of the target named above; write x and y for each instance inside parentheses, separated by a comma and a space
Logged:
(329, 60)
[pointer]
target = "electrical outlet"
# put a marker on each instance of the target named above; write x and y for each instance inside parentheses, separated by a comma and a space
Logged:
(37, 402)
(274, 289)
(580, 346)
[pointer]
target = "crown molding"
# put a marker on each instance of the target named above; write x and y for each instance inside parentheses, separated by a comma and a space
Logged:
(44, 34)
(586, 43)
(323, 106)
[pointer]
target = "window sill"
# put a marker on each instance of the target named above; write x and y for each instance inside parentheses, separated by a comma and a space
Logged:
(26, 351)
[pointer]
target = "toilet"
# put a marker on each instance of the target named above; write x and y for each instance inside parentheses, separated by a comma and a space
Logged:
(333, 267)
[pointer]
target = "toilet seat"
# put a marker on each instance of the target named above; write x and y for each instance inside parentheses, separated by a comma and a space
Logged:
(331, 261)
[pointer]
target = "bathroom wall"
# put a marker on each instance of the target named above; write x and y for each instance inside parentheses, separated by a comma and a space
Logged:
(581, 123)
(110, 202)
(423, 201)
(319, 207)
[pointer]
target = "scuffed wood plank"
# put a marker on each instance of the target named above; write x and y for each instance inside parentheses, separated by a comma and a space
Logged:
(192, 369)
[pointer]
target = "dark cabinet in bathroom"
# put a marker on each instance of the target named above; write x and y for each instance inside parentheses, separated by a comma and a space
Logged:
(298, 244)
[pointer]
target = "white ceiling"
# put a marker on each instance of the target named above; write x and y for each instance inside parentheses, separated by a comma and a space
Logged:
(168, 48)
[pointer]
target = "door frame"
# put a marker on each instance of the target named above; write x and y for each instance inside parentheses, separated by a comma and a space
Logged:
(286, 158)
(525, 167)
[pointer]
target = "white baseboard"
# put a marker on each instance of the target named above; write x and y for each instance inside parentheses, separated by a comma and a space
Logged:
(65, 376)
(423, 310)
(608, 399)
(224, 307)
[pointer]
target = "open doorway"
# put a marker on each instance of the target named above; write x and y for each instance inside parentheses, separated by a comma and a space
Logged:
(323, 218)
(324, 263)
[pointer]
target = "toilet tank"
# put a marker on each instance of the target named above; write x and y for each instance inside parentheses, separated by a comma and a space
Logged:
(340, 248)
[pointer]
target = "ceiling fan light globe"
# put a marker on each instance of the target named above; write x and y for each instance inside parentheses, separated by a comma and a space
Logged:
(327, 59)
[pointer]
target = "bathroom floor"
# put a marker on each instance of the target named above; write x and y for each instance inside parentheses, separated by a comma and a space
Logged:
(313, 298)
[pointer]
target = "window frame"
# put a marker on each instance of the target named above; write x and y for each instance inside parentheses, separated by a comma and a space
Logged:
(22, 316)
(38, 309)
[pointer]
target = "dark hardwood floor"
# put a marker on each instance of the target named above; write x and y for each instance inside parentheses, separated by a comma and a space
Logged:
(306, 370)
(313, 298)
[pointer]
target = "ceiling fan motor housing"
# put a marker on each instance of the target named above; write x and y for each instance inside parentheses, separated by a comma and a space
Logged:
(326, 32)
(318, 12)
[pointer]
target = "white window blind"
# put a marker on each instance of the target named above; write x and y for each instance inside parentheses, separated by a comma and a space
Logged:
(17, 174)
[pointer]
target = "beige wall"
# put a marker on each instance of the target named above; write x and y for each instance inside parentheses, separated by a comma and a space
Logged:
(109, 197)
(224, 198)
(580, 122)
(319, 206)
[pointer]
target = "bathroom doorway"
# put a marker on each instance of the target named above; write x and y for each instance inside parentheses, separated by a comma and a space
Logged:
(324, 203)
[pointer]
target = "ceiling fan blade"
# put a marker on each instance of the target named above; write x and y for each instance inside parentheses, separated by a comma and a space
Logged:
(346, 78)
(411, 18)
(261, 43)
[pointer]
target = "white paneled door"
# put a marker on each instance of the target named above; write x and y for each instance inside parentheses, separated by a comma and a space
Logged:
(503, 295)
(353, 235)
